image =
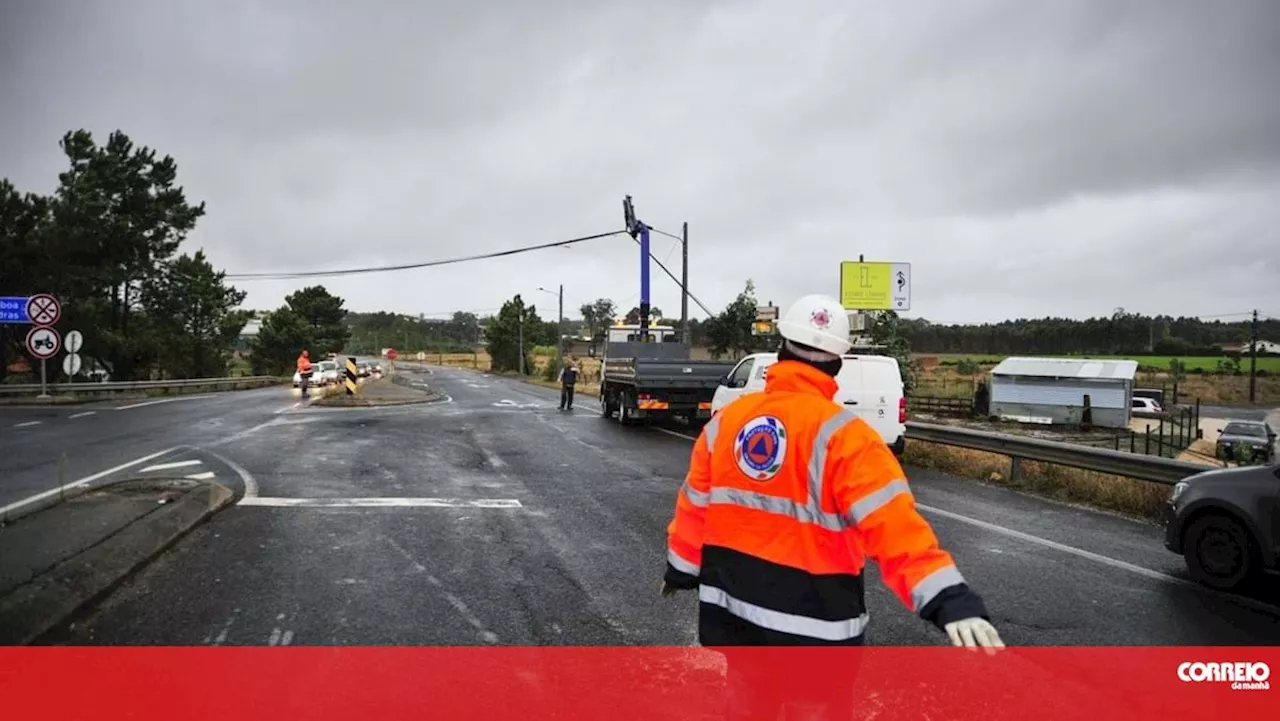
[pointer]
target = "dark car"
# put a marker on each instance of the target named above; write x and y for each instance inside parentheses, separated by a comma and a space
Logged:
(1253, 439)
(1226, 523)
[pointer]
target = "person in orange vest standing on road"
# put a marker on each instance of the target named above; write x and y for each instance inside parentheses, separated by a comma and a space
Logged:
(787, 496)
(304, 370)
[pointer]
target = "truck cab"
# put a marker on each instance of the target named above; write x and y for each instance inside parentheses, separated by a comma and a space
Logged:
(870, 386)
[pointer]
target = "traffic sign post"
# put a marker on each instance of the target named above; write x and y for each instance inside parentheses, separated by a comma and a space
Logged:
(43, 343)
(875, 286)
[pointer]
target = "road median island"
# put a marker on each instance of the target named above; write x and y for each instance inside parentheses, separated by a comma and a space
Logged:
(59, 560)
(394, 390)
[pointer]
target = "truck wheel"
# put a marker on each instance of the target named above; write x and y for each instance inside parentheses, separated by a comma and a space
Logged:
(624, 408)
(1218, 552)
(606, 411)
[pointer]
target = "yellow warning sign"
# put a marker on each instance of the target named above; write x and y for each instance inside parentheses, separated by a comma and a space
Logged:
(875, 286)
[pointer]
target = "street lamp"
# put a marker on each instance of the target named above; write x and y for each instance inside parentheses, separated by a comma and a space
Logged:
(559, 324)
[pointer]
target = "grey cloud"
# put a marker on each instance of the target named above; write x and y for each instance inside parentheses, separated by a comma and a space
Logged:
(1026, 158)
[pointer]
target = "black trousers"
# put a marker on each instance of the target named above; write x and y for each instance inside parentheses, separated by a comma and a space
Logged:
(566, 396)
(770, 673)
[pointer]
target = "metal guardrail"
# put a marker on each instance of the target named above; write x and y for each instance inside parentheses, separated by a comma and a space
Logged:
(124, 386)
(1101, 460)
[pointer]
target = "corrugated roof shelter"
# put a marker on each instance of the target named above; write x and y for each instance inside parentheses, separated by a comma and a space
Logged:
(1053, 390)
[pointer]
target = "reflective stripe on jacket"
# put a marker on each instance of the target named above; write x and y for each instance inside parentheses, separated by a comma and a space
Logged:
(787, 496)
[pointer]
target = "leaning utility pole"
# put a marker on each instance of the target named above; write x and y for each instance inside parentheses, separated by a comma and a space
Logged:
(684, 286)
(640, 231)
(560, 330)
(1253, 357)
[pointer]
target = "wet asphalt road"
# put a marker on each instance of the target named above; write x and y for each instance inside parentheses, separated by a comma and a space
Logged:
(548, 528)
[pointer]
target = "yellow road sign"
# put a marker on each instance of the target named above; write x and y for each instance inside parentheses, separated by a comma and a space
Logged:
(875, 286)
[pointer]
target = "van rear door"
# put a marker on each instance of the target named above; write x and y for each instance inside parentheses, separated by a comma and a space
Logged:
(871, 387)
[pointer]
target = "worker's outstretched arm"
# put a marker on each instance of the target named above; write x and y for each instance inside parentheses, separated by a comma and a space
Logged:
(685, 532)
(870, 489)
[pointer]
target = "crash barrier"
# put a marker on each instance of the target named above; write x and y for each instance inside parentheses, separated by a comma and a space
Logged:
(109, 387)
(1019, 448)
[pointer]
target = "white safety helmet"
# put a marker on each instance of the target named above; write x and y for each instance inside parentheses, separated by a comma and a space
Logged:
(818, 321)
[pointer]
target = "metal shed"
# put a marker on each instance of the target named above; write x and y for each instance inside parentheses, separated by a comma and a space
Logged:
(1052, 390)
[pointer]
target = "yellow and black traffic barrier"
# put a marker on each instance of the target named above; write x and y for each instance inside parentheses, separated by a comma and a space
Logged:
(352, 380)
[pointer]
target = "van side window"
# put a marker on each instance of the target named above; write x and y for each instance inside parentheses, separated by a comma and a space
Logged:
(741, 374)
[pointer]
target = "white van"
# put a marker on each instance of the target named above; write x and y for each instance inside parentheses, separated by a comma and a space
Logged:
(869, 385)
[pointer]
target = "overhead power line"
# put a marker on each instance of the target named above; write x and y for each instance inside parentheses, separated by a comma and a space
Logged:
(425, 264)
(671, 275)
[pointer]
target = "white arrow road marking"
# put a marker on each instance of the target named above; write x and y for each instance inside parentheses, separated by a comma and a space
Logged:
(167, 466)
(27, 424)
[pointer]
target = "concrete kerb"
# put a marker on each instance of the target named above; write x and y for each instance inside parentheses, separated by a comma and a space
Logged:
(40, 605)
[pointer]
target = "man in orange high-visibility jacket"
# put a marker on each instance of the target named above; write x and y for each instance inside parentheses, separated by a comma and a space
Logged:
(304, 370)
(787, 496)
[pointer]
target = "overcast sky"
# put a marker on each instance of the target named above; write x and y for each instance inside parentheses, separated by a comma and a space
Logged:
(1028, 159)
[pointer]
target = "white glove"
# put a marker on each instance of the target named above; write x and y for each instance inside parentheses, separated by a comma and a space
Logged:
(972, 632)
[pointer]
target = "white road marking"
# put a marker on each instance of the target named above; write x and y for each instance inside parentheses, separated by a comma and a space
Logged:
(81, 415)
(167, 466)
(458, 604)
(201, 476)
(250, 485)
(295, 406)
(27, 424)
(674, 433)
(271, 502)
(82, 481)
(162, 400)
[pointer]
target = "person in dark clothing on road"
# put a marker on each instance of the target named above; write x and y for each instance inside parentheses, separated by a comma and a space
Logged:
(568, 378)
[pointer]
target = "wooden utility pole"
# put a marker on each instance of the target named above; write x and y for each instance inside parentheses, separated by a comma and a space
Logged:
(1253, 357)
(684, 286)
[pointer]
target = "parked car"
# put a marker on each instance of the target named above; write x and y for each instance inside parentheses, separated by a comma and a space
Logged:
(1257, 438)
(1145, 407)
(1226, 524)
(326, 373)
(869, 386)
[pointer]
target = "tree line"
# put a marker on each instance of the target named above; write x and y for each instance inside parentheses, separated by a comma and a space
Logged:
(1120, 334)
(106, 243)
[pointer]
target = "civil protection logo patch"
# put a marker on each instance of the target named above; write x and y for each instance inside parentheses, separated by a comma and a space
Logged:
(761, 447)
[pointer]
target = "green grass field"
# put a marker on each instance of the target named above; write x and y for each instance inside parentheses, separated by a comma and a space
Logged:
(1208, 364)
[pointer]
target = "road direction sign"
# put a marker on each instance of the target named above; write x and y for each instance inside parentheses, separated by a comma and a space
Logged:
(74, 341)
(43, 343)
(875, 286)
(43, 309)
(13, 309)
(71, 363)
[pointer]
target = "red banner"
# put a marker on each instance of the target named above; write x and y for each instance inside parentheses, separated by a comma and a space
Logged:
(318, 683)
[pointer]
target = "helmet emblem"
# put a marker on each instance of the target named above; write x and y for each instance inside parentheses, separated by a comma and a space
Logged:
(820, 318)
